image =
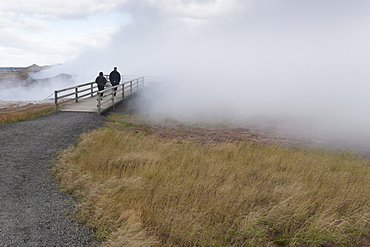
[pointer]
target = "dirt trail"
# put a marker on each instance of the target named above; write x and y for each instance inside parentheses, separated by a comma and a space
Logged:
(33, 212)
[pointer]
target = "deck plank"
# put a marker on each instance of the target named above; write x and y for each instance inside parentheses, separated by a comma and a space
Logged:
(91, 104)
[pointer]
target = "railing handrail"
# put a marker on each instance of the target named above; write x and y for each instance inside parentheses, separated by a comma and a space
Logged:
(74, 87)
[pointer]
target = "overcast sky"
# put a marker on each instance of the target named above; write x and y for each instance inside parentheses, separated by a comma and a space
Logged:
(50, 32)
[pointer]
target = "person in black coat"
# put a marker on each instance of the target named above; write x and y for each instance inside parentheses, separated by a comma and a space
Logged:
(115, 78)
(101, 81)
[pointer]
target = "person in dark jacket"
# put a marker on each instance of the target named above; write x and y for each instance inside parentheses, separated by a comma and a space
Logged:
(115, 78)
(101, 81)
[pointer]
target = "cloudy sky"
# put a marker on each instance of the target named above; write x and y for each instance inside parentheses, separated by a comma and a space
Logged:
(300, 59)
(50, 32)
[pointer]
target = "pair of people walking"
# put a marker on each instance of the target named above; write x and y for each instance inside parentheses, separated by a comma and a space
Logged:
(114, 78)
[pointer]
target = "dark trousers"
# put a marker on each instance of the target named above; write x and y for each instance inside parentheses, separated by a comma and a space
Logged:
(101, 87)
(115, 89)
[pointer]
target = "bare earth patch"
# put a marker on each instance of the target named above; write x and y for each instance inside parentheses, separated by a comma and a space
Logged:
(11, 106)
(207, 135)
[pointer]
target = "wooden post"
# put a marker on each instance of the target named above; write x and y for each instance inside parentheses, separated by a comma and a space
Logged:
(56, 100)
(76, 94)
(123, 90)
(99, 102)
(116, 86)
(92, 89)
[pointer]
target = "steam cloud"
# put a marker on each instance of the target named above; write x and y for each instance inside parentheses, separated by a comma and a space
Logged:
(292, 60)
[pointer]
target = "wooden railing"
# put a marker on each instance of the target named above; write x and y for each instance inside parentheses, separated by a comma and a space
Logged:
(90, 89)
(125, 89)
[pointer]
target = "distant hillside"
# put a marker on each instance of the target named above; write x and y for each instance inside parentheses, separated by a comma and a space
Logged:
(31, 68)
(22, 76)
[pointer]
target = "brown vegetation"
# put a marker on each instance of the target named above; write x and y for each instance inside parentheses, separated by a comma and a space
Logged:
(16, 113)
(143, 184)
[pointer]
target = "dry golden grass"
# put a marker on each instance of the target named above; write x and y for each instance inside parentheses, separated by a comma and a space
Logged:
(17, 115)
(138, 190)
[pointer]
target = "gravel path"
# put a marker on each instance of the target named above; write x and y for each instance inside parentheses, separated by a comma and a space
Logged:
(33, 212)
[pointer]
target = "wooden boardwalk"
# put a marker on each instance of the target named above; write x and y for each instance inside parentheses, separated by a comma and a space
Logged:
(87, 98)
(91, 104)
